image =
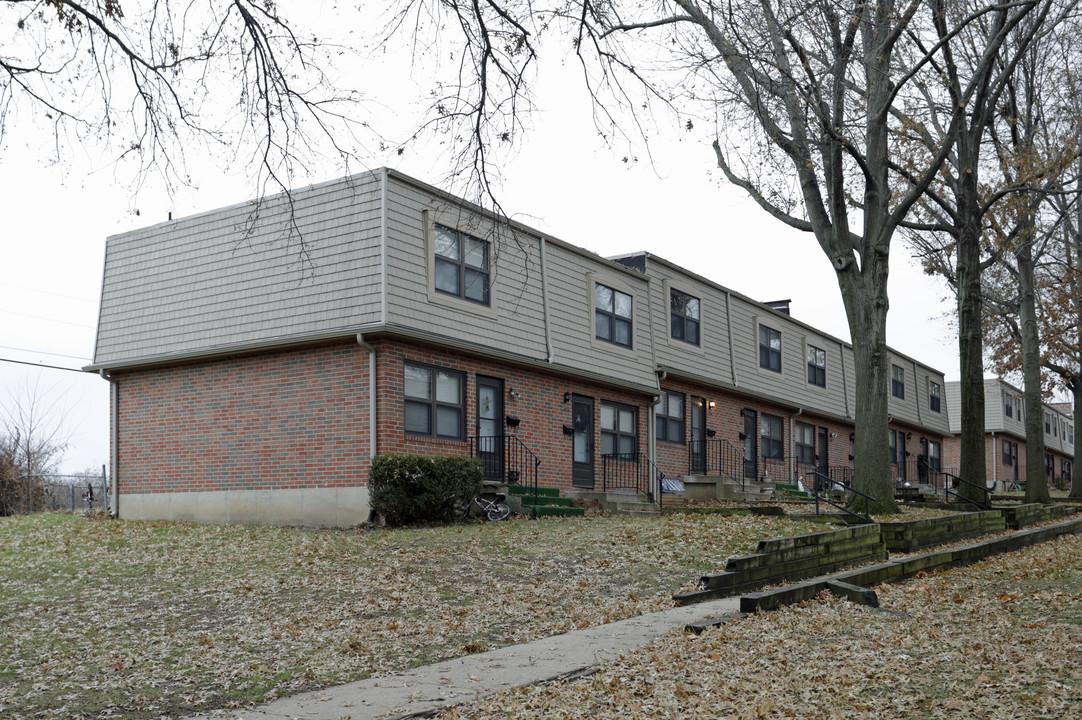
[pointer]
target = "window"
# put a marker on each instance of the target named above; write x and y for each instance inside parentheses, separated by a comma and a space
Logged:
(817, 366)
(670, 417)
(619, 428)
(934, 395)
(805, 444)
(1070, 434)
(684, 317)
(461, 265)
(897, 382)
(612, 315)
(433, 401)
(1047, 423)
(1008, 453)
(1008, 405)
(771, 437)
(893, 447)
(769, 349)
(935, 462)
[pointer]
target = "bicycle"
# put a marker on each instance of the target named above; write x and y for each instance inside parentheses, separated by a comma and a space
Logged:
(492, 505)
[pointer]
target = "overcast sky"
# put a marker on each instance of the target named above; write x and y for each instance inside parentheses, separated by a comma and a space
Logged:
(562, 180)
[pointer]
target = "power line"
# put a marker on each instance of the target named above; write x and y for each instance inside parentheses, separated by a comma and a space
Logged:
(48, 292)
(40, 365)
(43, 352)
(39, 317)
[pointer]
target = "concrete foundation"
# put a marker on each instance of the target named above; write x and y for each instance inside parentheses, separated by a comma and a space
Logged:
(313, 507)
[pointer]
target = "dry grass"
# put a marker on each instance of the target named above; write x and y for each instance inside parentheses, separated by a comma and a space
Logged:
(1001, 639)
(130, 619)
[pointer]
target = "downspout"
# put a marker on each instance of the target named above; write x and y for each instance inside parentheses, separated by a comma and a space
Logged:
(920, 418)
(372, 447)
(792, 441)
(114, 438)
(383, 249)
(732, 348)
(651, 429)
(995, 461)
(845, 381)
(551, 356)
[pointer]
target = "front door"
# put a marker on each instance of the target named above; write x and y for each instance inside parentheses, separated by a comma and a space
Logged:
(490, 426)
(822, 456)
(751, 444)
(901, 457)
(698, 435)
(582, 442)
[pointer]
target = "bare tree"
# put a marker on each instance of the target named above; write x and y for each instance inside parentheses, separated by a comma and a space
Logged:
(150, 82)
(948, 227)
(32, 423)
(804, 98)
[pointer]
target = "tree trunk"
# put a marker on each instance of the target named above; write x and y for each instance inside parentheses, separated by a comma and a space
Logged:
(970, 330)
(1076, 467)
(1036, 478)
(864, 294)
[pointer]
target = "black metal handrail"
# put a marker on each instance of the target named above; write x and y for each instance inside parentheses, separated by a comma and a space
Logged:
(957, 482)
(717, 455)
(823, 483)
(507, 459)
(629, 471)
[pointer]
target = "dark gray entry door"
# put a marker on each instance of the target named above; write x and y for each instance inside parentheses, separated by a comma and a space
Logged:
(582, 442)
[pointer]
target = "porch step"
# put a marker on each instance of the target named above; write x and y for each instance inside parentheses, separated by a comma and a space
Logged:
(723, 487)
(624, 503)
(549, 503)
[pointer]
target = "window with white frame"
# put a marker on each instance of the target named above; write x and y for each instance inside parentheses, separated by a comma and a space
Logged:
(769, 348)
(935, 456)
(612, 315)
(684, 317)
(462, 265)
(772, 437)
(897, 381)
(817, 366)
(805, 443)
(434, 401)
(1008, 405)
(934, 394)
(669, 414)
(619, 428)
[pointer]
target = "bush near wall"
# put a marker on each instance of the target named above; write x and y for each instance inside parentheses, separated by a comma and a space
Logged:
(408, 489)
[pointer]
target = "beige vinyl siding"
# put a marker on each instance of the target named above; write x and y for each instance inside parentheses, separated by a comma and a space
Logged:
(515, 311)
(514, 321)
(200, 282)
(571, 279)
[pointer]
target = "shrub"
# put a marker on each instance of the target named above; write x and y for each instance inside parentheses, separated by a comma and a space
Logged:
(421, 489)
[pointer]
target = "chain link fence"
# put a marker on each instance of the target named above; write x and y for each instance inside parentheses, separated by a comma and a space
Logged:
(27, 494)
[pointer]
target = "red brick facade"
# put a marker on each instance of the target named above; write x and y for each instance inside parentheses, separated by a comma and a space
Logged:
(299, 418)
(288, 419)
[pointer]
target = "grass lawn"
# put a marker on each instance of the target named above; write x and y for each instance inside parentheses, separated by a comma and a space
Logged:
(119, 619)
(996, 640)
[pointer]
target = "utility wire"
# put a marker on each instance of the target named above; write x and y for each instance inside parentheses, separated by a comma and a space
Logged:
(43, 352)
(40, 365)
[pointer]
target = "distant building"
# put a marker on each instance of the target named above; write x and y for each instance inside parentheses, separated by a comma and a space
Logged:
(1005, 436)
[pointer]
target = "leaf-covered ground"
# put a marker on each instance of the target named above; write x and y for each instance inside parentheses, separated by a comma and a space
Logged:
(1001, 639)
(135, 620)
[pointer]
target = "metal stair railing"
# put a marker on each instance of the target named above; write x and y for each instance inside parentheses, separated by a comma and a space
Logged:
(957, 482)
(823, 486)
(630, 471)
(508, 459)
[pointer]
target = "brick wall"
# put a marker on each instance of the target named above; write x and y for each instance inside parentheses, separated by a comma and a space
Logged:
(536, 398)
(283, 420)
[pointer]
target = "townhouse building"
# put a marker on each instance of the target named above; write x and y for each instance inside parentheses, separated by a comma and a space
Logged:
(1005, 453)
(260, 355)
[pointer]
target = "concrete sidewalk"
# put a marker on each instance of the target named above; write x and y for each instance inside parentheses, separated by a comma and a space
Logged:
(469, 678)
